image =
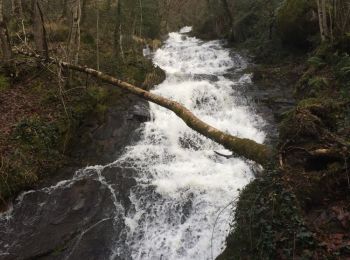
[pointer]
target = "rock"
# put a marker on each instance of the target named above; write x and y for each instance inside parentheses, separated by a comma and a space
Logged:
(107, 139)
(79, 219)
(140, 112)
(61, 221)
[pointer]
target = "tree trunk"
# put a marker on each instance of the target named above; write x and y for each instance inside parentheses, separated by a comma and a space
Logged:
(141, 18)
(73, 47)
(324, 19)
(4, 38)
(243, 147)
(17, 7)
(320, 20)
(39, 31)
(97, 36)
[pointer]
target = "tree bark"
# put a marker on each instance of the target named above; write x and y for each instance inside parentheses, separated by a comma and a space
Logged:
(243, 147)
(4, 38)
(97, 36)
(73, 47)
(320, 20)
(324, 19)
(39, 30)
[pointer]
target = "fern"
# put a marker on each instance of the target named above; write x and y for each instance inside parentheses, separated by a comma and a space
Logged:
(318, 82)
(316, 62)
(343, 68)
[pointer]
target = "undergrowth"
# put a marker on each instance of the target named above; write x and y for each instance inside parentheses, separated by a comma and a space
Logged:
(268, 223)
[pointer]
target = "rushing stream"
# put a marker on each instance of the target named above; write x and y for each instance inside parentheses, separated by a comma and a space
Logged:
(180, 199)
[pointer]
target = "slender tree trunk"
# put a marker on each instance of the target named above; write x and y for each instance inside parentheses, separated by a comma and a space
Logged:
(39, 30)
(141, 18)
(324, 19)
(74, 36)
(119, 33)
(97, 36)
(243, 147)
(4, 38)
(330, 22)
(13, 7)
(320, 20)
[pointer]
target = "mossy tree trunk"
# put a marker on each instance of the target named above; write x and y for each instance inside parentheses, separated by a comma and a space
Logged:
(243, 147)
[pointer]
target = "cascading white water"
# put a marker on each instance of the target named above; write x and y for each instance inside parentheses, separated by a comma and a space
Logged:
(182, 185)
(181, 203)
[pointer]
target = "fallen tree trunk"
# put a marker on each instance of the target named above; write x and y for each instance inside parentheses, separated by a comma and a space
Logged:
(242, 147)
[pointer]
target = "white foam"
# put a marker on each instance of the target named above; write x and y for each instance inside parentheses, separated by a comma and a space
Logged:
(186, 29)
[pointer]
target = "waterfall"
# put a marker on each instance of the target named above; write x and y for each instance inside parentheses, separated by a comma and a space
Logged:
(182, 184)
(169, 195)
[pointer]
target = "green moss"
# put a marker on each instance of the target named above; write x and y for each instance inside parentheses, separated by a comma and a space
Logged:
(4, 83)
(34, 133)
(268, 223)
(309, 118)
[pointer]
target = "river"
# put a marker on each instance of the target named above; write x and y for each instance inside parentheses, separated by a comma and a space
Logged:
(180, 194)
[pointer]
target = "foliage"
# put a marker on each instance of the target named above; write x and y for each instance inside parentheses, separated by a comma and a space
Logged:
(268, 223)
(316, 62)
(36, 134)
(342, 69)
(318, 82)
(309, 118)
(4, 83)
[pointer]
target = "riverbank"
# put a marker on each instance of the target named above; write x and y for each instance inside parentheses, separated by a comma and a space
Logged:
(299, 207)
(47, 126)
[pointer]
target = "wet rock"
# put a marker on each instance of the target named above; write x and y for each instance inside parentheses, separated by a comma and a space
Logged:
(81, 218)
(73, 219)
(102, 143)
(140, 112)
(123, 180)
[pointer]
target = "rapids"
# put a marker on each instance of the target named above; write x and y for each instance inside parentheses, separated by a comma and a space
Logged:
(190, 185)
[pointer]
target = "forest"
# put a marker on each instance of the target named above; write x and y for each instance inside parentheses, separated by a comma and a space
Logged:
(175, 129)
